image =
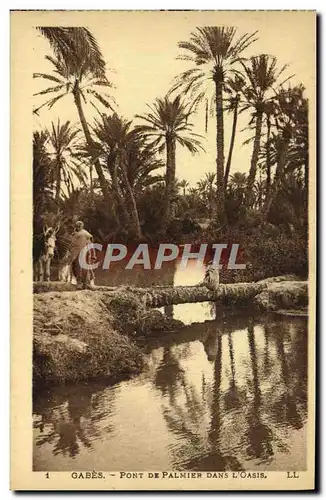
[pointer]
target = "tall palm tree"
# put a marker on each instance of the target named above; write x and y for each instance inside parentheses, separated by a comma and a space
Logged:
(291, 105)
(78, 69)
(235, 86)
(213, 50)
(117, 143)
(167, 124)
(261, 74)
(62, 138)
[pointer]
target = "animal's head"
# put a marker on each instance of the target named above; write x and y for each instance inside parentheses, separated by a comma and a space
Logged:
(79, 225)
(50, 237)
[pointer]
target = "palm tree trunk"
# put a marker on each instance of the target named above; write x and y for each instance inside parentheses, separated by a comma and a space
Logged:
(67, 181)
(132, 201)
(89, 140)
(169, 176)
(279, 175)
(58, 182)
(234, 129)
(211, 203)
(91, 180)
(119, 206)
(254, 160)
(268, 158)
(220, 150)
(306, 179)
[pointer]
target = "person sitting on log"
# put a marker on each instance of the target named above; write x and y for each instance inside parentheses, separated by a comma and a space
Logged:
(212, 277)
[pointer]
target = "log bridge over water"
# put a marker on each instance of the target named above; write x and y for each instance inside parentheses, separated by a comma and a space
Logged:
(271, 294)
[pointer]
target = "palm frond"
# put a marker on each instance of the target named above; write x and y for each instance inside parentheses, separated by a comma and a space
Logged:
(75, 45)
(47, 77)
(103, 100)
(49, 90)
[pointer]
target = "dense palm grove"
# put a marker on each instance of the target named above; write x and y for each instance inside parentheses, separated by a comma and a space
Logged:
(120, 174)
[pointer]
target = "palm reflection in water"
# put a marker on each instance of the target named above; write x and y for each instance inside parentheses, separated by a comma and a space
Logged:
(229, 392)
(204, 421)
(71, 419)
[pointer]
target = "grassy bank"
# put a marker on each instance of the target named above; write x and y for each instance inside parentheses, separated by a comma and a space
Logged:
(75, 339)
(83, 335)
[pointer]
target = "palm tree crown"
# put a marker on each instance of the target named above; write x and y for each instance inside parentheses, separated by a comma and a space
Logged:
(75, 45)
(169, 119)
(70, 79)
(216, 47)
(238, 180)
(63, 142)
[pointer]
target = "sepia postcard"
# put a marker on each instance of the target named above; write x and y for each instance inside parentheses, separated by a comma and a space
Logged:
(163, 241)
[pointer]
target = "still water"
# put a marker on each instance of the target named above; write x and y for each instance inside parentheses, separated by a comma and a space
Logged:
(228, 392)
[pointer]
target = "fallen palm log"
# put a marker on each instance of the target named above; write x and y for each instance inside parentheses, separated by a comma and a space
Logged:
(266, 295)
(238, 293)
(162, 296)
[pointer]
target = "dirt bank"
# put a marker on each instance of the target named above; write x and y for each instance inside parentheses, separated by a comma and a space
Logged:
(85, 334)
(74, 339)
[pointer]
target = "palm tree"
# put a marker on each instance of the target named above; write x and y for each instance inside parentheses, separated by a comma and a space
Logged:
(269, 110)
(183, 184)
(206, 189)
(215, 50)
(234, 197)
(117, 143)
(259, 191)
(235, 86)
(62, 138)
(261, 74)
(238, 181)
(42, 178)
(143, 161)
(299, 149)
(78, 69)
(167, 125)
(291, 105)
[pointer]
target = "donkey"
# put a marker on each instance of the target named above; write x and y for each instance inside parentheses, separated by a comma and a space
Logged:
(64, 259)
(44, 251)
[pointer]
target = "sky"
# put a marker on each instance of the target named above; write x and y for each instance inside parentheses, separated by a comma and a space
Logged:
(141, 49)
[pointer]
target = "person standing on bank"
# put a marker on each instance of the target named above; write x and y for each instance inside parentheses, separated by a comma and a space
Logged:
(81, 238)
